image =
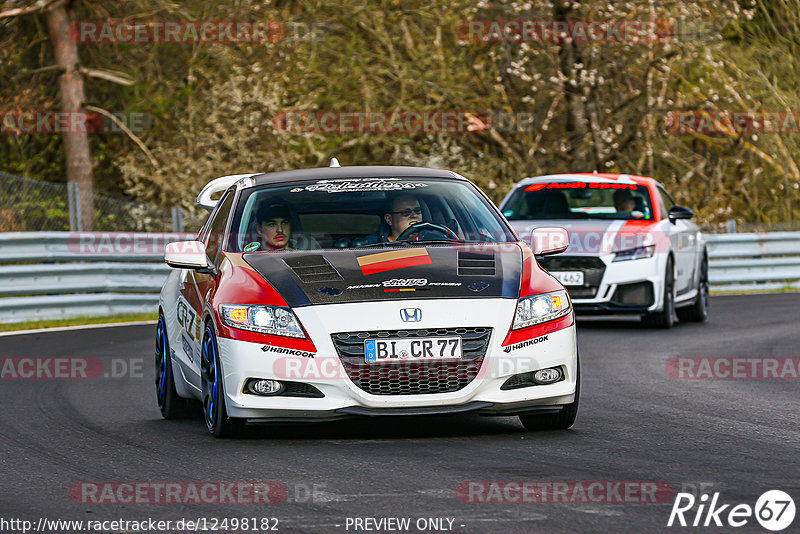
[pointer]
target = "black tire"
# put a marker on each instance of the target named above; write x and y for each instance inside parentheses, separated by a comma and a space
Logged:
(214, 413)
(666, 317)
(171, 405)
(698, 311)
(561, 420)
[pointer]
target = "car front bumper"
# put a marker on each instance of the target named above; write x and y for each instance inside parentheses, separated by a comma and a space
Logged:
(325, 371)
(627, 287)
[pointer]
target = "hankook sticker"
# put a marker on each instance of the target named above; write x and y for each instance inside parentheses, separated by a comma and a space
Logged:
(284, 350)
(524, 344)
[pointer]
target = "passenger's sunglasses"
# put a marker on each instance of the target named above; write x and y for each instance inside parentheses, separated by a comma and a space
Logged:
(408, 212)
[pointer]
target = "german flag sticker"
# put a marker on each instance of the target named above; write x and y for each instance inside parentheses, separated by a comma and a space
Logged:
(396, 259)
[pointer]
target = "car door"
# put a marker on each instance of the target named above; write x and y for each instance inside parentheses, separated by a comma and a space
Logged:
(683, 237)
(197, 287)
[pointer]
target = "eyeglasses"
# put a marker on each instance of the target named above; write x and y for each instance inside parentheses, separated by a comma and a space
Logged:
(408, 212)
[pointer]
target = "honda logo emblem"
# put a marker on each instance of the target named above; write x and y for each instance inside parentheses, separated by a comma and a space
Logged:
(411, 315)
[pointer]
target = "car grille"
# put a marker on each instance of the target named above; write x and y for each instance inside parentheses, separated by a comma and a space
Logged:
(592, 268)
(413, 377)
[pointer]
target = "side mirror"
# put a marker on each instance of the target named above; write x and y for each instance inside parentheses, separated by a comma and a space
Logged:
(186, 255)
(679, 212)
(547, 241)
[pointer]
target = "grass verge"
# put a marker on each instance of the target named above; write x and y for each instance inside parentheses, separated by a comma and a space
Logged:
(75, 321)
(788, 289)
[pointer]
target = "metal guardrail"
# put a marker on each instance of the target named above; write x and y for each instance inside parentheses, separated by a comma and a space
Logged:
(754, 261)
(42, 247)
(54, 275)
(59, 279)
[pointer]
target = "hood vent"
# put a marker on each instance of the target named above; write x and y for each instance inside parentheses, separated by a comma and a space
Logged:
(313, 268)
(475, 264)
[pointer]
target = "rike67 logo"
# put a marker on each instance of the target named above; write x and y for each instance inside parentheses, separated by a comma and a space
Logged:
(774, 510)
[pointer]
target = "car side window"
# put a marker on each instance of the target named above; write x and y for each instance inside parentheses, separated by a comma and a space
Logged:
(217, 227)
(666, 202)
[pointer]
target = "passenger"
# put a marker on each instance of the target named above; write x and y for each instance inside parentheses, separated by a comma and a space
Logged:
(273, 223)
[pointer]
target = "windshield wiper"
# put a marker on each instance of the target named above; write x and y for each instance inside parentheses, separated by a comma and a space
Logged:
(437, 241)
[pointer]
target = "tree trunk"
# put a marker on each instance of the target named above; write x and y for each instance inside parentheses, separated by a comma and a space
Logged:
(70, 85)
(570, 65)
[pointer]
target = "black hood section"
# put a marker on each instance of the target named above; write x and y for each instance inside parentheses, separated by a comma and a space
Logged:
(335, 276)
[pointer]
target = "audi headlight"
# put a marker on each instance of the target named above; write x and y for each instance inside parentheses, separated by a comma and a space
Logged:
(636, 253)
(264, 319)
(541, 308)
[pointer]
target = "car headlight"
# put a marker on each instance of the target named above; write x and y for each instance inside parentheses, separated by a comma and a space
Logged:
(541, 308)
(264, 319)
(636, 253)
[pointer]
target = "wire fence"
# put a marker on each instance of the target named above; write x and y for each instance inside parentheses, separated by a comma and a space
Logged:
(33, 206)
(30, 205)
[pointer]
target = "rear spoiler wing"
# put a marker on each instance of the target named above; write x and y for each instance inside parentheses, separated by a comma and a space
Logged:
(217, 186)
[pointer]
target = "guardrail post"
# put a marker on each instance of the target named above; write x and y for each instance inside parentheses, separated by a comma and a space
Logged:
(730, 226)
(177, 219)
(74, 203)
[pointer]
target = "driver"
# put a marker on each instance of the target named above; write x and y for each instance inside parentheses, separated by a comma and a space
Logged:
(402, 212)
(623, 200)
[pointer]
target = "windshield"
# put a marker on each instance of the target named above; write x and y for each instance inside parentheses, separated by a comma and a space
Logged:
(579, 200)
(363, 212)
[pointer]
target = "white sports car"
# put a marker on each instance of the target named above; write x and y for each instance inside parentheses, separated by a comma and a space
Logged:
(316, 294)
(632, 250)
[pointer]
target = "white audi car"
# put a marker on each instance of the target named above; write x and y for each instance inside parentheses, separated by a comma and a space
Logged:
(632, 250)
(315, 294)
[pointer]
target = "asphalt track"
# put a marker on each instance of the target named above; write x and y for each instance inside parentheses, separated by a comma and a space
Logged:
(636, 423)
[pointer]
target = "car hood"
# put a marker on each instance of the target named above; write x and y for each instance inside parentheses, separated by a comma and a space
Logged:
(595, 236)
(333, 276)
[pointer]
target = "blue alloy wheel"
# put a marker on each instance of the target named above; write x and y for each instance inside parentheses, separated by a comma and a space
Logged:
(171, 405)
(214, 412)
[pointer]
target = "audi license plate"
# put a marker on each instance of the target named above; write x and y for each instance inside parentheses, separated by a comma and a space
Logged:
(412, 349)
(569, 278)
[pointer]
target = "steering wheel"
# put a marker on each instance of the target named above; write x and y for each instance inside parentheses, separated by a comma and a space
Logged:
(442, 230)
